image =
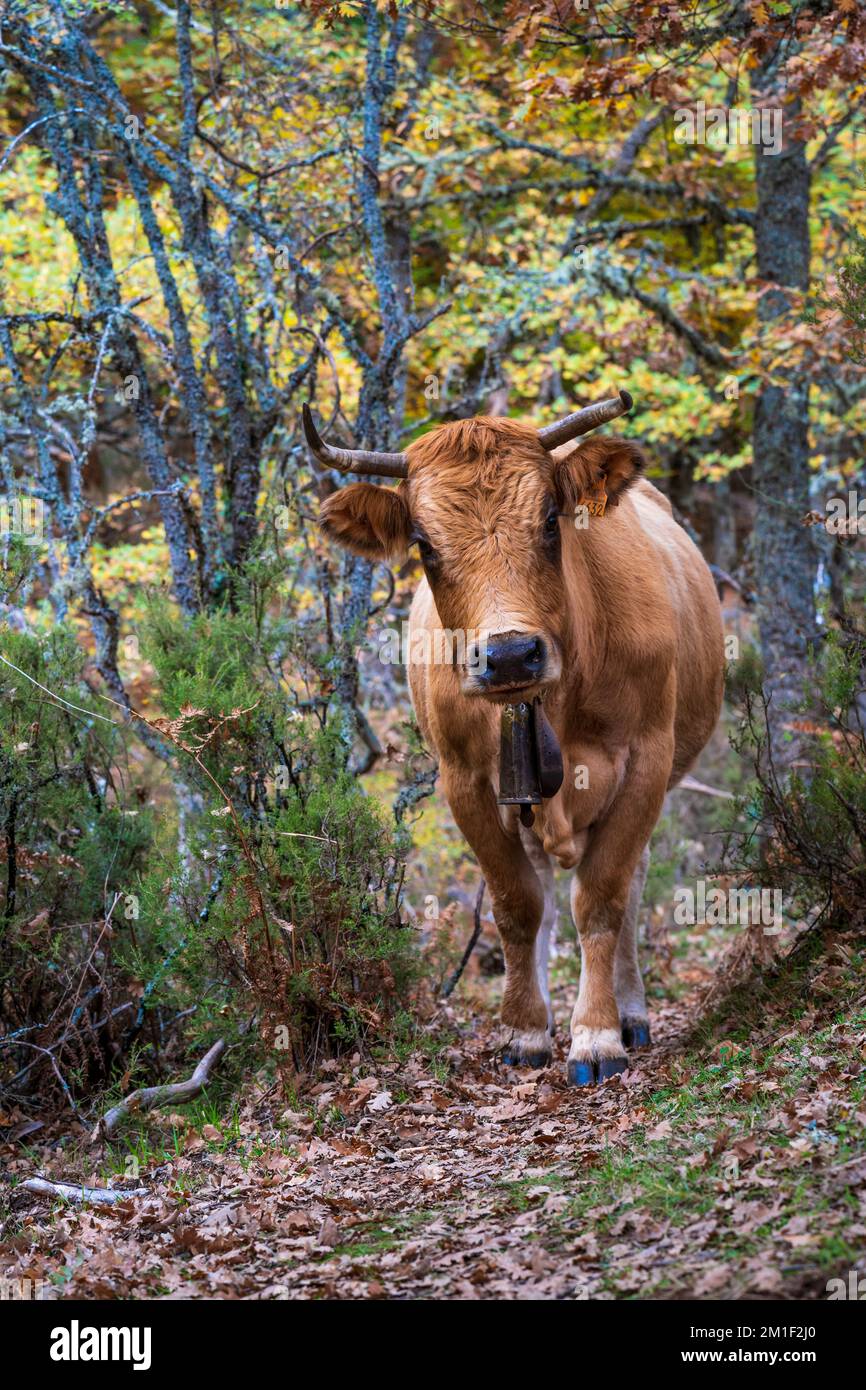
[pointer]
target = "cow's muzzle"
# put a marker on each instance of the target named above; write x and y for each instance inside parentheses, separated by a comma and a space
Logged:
(509, 664)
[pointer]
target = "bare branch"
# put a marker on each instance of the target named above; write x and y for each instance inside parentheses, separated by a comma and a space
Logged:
(153, 1097)
(71, 1192)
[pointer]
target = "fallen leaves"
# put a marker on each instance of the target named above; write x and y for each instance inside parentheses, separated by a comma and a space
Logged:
(660, 1131)
(485, 1183)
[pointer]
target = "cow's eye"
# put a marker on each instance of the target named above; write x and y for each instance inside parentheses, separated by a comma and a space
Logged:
(551, 524)
(425, 549)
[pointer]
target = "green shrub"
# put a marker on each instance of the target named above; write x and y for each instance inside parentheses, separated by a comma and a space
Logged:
(261, 902)
(291, 893)
(75, 838)
(806, 832)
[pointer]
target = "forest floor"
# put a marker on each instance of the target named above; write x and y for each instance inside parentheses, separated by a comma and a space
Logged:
(728, 1162)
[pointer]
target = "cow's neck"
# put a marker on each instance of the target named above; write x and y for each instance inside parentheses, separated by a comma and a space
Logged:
(588, 610)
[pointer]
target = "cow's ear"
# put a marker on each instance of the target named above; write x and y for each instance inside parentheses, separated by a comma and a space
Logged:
(371, 521)
(598, 466)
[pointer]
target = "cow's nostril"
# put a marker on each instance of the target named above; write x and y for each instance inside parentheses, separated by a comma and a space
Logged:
(514, 659)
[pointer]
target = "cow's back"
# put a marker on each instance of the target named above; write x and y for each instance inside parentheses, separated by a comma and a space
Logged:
(700, 645)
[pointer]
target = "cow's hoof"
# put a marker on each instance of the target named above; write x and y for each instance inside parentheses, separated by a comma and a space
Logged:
(635, 1032)
(536, 1060)
(581, 1073)
(595, 1070)
(596, 1054)
(528, 1050)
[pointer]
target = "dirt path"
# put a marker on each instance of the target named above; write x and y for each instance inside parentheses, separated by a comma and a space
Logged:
(709, 1171)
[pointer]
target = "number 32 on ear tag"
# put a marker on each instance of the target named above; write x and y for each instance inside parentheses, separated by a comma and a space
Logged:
(595, 505)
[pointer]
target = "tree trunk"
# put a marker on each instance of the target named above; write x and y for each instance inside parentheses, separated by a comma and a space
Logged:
(784, 557)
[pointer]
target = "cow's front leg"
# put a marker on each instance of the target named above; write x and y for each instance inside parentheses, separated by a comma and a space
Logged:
(596, 1038)
(604, 902)
(517, 908)
(518, 902)
(543, 867)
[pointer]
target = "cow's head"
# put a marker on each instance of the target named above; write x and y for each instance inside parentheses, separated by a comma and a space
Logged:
(490, 507)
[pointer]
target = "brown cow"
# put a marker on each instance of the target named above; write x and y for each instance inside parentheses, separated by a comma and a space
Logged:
(610, 614)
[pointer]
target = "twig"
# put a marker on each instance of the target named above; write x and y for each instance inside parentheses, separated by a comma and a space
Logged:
(691, 784)
(470, 947)
(155, 980)
(150, 1097)
(91, 1027)
(46, 1052)
(421, 786)
(71, 1192)
(300, 835)
(91, 714)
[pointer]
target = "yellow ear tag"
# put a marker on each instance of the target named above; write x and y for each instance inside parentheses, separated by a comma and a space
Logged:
(595, 505)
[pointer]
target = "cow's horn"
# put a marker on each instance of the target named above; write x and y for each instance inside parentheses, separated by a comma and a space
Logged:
(353, 460)
(582, 421)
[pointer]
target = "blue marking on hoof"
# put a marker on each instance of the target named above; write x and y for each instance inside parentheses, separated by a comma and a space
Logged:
(635, 1032)
(535, 1060)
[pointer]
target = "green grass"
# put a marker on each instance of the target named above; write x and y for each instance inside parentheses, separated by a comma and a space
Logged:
(716, 1098)
(379, 1237)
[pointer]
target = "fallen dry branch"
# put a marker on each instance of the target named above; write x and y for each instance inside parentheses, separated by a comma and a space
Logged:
(73, 1192)
(151, 1097)
(691, 784)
